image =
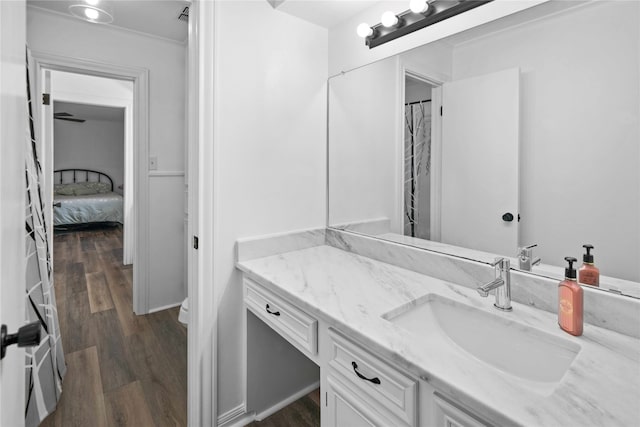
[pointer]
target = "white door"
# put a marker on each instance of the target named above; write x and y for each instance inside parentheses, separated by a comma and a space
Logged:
(13, 128)
(480, 140)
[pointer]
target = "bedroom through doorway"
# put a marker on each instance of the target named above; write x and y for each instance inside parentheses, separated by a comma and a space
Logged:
(88, 134)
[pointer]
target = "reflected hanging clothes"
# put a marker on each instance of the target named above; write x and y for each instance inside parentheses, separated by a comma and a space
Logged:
(45, 365)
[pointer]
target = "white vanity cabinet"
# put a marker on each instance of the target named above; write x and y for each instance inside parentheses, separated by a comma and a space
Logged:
(358, 387)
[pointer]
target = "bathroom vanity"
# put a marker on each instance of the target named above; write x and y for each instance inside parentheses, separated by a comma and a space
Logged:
(381, 306)
(396, 347)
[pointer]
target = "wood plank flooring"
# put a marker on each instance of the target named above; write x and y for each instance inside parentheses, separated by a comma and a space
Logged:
(122, 369)
(304, 412)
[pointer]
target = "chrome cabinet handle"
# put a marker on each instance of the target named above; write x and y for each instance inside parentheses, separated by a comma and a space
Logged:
(374, 380)
(275, 313)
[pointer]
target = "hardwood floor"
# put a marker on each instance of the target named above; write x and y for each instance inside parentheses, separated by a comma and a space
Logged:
(304, 412)
(122, 369)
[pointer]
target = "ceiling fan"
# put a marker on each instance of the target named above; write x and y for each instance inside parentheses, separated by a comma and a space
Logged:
(67, 116)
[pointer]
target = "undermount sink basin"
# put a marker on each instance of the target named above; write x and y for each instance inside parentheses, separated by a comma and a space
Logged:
(504, 344)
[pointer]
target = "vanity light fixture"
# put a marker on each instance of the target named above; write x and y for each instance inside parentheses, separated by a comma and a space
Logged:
(419, 6)
(364, 30)
(421, 14)
(389, 19)
(95, 11)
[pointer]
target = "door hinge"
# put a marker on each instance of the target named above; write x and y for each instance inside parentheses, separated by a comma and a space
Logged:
(326, 398)
(195, 242)
(46, 99)
(441, 110)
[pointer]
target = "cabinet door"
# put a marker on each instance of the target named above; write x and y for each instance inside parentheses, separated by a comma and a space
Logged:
(448, 415)
(346, 409)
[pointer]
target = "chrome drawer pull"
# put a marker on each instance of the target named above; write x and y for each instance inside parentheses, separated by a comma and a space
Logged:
(374, 380)
(275, 313)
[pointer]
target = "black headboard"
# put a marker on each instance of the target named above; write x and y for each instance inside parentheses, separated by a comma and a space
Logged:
(68, 176)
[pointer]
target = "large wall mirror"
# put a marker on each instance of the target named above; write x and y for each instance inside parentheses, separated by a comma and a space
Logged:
(524, 131)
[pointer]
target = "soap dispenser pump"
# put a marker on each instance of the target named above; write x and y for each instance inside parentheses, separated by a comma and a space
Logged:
(589, 273)
(570, 301)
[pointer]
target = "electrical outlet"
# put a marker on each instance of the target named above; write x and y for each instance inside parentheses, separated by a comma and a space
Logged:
(153, 163)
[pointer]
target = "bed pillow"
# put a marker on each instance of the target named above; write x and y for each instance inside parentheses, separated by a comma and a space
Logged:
(82, 188)
(93, 187)
(63, 189)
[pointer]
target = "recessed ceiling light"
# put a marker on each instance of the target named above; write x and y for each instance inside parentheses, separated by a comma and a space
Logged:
(91, 13)
(99, 14)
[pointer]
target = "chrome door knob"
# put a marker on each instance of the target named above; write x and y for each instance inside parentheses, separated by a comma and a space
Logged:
(27, 336)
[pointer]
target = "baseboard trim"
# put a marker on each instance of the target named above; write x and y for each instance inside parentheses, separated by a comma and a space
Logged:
(289, 400)
(165, 307)
(236, 417)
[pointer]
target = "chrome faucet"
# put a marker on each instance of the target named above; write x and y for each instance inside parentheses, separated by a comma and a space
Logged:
(525, 258)
(502, 285)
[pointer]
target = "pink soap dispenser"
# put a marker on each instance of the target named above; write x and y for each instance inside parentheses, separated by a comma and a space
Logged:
(589, 273)
(570, 301)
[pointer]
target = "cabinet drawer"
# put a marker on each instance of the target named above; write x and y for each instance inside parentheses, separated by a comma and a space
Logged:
(292, 323)
(388, 389)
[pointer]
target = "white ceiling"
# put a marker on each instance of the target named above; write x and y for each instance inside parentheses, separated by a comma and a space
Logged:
(326, 13)
(154, 17)
(89, 112)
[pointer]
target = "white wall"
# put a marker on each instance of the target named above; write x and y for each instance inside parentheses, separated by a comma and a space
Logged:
(270, 133)
(364, 133)
(95, 144)
(347, 50)
(67, 36)
(579, 171)
(416, 90)
(91, 88)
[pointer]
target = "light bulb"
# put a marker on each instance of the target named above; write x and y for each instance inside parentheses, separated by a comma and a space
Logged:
(364, 30)
(91, 13)
(419, 6)
(92, 2)
(389, 19)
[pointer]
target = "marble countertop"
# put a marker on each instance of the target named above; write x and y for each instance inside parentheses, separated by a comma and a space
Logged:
(351, 293)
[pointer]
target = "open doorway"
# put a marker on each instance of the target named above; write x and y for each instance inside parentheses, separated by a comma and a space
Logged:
(89, 133)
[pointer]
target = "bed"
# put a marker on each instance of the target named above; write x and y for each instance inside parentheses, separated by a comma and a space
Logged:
(83, 197)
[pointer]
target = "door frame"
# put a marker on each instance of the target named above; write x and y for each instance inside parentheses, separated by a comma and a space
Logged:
(436, 147)
(140, 79)
(202, 221)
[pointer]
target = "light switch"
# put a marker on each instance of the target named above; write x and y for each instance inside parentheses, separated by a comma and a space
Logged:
(153, 163)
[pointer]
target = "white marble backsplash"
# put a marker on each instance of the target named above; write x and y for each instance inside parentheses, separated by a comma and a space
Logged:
(372, 227)
(274, 244)
(604, 309)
